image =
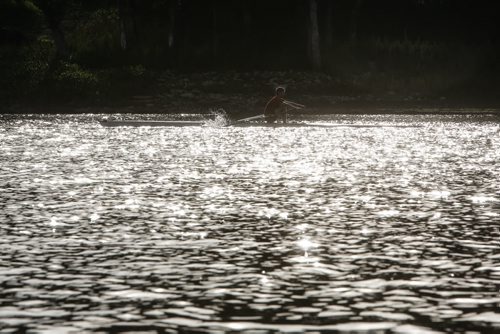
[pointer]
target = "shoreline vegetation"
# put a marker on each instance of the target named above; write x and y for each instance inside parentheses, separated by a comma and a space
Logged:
(137, 90)
(398, 77)
(187, 56)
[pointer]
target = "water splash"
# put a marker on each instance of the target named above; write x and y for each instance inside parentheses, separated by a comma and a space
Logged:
(220, 119)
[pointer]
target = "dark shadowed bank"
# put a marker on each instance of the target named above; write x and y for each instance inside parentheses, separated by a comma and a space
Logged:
(170, 56)
(137, 90)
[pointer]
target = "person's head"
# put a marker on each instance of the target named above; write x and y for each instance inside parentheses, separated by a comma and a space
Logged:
(280, 91)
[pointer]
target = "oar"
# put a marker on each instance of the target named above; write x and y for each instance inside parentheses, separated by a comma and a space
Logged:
(250, 118)
(294, 105)
(297, 104)
(291, 104)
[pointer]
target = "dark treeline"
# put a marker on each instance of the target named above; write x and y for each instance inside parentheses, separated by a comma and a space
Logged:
(381, 43)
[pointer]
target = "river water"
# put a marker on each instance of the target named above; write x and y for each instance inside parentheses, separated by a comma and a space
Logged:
(257, 230)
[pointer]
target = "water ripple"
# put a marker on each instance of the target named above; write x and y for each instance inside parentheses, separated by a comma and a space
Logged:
(250, 229)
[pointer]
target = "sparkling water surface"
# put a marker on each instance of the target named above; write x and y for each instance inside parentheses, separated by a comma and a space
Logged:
(383, 230)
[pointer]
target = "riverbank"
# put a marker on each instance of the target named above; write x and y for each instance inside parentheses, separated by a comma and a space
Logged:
(241, 93)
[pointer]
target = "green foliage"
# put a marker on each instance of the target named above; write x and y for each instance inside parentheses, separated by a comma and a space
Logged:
(54, 10)
(24, 69)
(71, 80)
(430, 57)
(95, 41)
(20, 21)
(125, 81)
(404, 66)
(137, 71)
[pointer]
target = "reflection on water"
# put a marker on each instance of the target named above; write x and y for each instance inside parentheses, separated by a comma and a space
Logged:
(250, 229)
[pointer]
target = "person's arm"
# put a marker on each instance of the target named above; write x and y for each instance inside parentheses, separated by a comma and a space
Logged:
(271, 105)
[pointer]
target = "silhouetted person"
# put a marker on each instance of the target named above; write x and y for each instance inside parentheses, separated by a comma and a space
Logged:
(275, 108)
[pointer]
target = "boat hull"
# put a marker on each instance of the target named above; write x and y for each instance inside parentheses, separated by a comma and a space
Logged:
(132, 123)
(320, 125)
(151, 123)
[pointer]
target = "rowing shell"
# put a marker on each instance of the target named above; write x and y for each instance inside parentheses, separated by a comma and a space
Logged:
(151, 123)
(247, 124)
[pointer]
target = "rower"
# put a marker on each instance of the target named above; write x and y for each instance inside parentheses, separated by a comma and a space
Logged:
(275, 108)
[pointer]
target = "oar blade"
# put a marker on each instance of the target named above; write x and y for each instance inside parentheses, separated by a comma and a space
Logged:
(250, 118)
(294, 105)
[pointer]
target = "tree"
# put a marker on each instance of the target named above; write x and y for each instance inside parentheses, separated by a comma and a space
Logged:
(122, 13)
(353, 34)
(54, 12)
(20, 21)
(175, 31)
(172, 15)
(215, 36)
(314, 38)
(328, 24)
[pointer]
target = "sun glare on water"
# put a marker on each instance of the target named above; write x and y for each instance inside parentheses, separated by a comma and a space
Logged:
(365, 228)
